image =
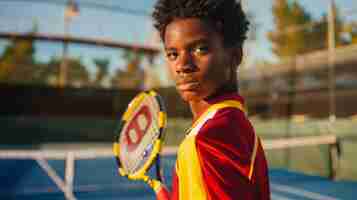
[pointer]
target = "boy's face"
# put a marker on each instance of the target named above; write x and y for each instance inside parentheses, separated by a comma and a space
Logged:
(197, 59)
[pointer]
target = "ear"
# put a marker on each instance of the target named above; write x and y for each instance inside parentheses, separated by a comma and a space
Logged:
(237, 56)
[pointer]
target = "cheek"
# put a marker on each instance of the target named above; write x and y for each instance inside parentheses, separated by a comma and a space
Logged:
(171, 70)
(215, 69)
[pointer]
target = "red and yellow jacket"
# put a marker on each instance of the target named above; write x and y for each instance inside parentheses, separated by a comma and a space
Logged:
(221, 157)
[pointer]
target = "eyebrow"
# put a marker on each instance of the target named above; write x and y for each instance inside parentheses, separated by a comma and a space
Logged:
(191, 44)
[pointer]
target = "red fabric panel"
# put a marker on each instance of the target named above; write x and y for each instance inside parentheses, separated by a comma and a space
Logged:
(175, 189)
(225, 144)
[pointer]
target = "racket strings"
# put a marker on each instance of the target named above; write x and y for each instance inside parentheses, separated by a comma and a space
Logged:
(141, 156)
(133, 161)
(138, 156)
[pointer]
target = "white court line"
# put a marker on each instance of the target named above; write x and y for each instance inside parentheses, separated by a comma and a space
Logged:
(278, 197)
(301, 192)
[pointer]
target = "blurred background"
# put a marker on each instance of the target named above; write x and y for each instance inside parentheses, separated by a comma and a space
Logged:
(68, 69)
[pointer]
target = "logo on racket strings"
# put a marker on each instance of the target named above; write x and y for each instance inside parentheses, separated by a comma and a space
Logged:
(137, 128)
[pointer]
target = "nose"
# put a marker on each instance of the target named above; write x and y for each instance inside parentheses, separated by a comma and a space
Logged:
(185, 63)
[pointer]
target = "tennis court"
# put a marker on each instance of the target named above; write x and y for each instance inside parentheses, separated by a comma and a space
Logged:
(68, 68)
(92, 174)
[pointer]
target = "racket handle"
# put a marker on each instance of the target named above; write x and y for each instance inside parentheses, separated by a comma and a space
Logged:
(161, 191)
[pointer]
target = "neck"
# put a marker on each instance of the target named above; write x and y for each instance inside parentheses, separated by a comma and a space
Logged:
(226, 88)
(197, 108)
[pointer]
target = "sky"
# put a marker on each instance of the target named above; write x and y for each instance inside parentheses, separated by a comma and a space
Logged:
(94, 22)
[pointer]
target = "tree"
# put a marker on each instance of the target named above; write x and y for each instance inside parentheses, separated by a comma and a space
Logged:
(78, 74)
(133, 76)
(17, 62)
(354, 37)
(102, 65)
(318, 39)
(297, 33)
(351, 30)
(288, 41)
(151, 79)
(128, 79)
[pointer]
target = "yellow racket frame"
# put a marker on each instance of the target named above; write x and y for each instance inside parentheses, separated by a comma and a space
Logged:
(162, 119)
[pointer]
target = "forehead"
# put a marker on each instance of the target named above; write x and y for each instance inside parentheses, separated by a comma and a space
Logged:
(188, 30)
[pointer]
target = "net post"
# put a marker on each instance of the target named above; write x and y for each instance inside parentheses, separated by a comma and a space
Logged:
(333, 159)
(56, 178)
(69, 171)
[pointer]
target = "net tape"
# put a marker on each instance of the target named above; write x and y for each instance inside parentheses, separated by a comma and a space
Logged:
(268, 144)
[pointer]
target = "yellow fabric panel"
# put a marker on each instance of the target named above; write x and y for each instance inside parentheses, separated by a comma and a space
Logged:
(217, 106)
(191, 185)
(252, 159)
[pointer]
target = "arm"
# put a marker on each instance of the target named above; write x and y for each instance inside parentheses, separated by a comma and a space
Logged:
(213, 162)
(227, 146)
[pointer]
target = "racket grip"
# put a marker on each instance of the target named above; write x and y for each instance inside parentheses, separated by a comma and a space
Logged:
(161, 191)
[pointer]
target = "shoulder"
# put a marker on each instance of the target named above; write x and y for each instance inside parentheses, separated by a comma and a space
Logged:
(225, 145)
(227, 124)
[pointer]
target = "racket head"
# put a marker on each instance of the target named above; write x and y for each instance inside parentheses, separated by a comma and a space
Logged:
(140, 135)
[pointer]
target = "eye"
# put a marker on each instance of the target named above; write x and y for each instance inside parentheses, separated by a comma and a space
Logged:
(201, 50)
(171, 55)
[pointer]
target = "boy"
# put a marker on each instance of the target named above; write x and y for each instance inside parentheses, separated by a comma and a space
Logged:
(221, 156)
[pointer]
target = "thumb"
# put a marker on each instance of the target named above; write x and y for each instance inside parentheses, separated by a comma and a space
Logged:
(153, 183)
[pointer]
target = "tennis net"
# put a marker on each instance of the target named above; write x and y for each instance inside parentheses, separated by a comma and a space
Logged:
(78, 173)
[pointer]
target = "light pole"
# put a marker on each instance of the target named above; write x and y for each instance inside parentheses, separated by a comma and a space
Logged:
(70, 11)
(331, 60)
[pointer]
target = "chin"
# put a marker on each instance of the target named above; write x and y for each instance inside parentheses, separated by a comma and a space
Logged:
(188, 96)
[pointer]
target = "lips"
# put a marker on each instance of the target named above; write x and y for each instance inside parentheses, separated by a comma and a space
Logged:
(186, 82)
(184, 86)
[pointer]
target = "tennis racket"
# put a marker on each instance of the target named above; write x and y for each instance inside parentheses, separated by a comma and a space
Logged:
(140, 136)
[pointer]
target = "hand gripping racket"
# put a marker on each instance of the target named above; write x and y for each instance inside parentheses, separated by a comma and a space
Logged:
(140, 136)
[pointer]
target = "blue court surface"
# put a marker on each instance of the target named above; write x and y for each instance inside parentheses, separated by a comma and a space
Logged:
(98, 179)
